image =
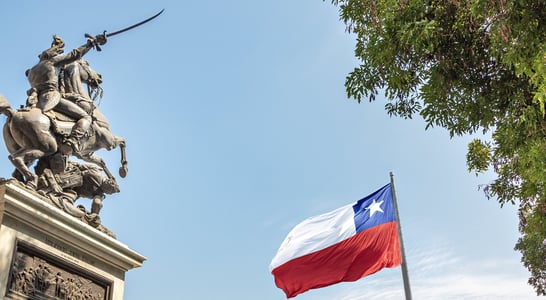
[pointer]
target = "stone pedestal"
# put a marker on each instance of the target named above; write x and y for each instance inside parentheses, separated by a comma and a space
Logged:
(48, 254)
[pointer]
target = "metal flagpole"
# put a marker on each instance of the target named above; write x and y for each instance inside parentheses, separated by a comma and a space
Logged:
(405, 275)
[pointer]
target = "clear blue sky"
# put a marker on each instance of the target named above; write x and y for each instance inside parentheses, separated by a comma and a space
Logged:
(238, 128)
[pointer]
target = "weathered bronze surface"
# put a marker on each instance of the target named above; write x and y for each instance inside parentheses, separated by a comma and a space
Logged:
(60, 121)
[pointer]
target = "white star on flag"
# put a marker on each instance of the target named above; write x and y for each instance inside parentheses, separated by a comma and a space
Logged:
(375, 206)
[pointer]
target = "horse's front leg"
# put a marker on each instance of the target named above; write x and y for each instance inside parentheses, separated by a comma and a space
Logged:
(124, 164)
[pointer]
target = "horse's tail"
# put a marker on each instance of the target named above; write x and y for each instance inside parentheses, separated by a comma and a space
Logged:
(4, 105)
(10, 142)
(5, 108)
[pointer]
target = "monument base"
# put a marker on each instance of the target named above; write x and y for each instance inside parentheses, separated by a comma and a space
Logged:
(47, 254)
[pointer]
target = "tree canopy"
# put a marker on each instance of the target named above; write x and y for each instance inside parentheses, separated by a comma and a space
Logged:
(474, 66)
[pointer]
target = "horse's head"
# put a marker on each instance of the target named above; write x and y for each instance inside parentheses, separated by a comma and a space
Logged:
(88, 75)
(77, 73)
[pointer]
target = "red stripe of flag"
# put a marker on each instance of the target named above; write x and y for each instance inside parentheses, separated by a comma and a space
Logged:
(349, 260)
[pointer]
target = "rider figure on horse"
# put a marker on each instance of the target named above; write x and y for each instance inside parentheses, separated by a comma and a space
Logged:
(45, 94)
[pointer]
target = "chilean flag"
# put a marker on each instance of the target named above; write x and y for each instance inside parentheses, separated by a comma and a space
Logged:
(343, 245)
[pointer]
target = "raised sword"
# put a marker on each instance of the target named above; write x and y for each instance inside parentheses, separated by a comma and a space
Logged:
(101, 38)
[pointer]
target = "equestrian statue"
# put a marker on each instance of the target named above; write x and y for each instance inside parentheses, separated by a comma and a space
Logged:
(60, 120)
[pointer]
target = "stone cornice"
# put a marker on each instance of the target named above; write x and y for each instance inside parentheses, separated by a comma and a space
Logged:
(24, 206)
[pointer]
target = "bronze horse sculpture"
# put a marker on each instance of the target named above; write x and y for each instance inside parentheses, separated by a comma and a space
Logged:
(30, 135)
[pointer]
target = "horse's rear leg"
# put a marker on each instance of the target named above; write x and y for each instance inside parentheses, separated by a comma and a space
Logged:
(21, 159)
(18, 175)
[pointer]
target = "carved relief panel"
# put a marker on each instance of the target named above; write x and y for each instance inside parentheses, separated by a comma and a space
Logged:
(36, 275)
